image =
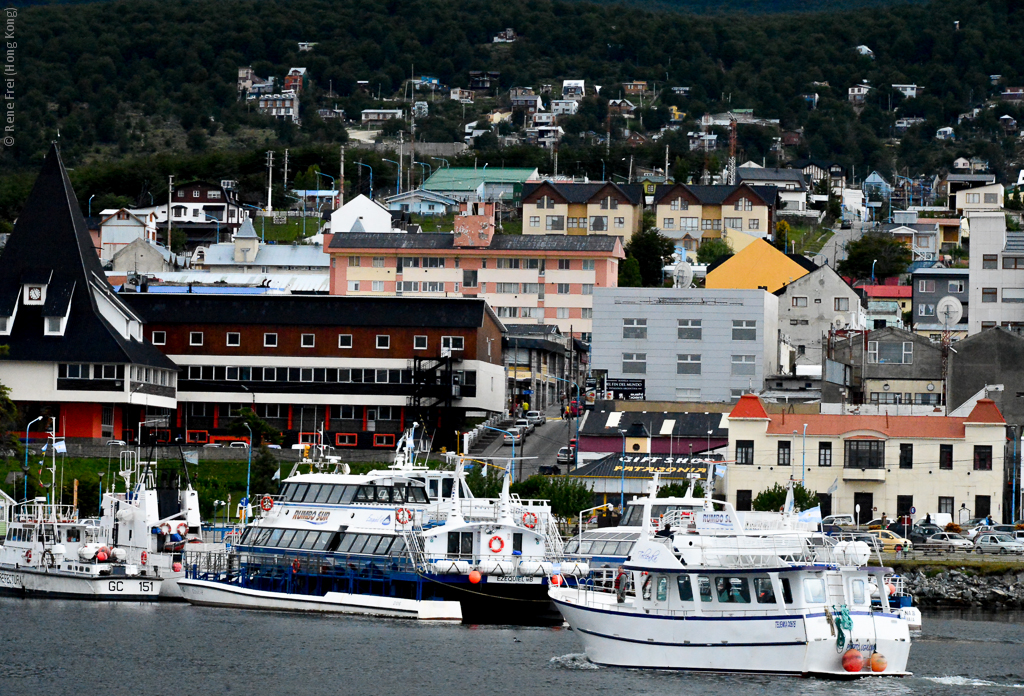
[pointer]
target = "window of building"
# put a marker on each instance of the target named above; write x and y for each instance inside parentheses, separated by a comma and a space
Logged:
(956, 286)
(841, 304)
(988, 325)
(743, 204)
(799, 301)
(946, 457)
(824, 454)
(588, 264)
(892, 353)
(865, 454)
(469, 278)
(634, 363)
(744, 451)
(506, 263)
(234, 339)
(407, 286)
(945, 505)
(688, 364)
(707, 224)
(634, 328)
(668, 223)
(308, 340)
(419, 342)
(926, 310)
(353, 261)
(743, 365)
(562, 313)
(353, 286)
(563, 264)
(587, 289)
(378, 262)
(734, 223)
(744, 503)
(344, 340)
(453, 342)
(586, 313)
(785, 453)
(270, 340)
(744, 330)
(983, 457)
(991, 198)
(989, 295)
(195, 338)
(506, 288)
(906, 455)
(383, 341)
(563, 288)
(535, 221)
(982, 505)
(689, 329)
(377, 286)
(555, 222)
(753, 224)
(159, 338)
(926, 286)
(974, 198)
(620, 222)
(598, 223)
(989, 261)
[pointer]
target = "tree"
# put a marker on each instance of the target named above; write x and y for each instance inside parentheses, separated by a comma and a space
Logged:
(652, 250)
(774, 498)
(261, 430)
(712, 250)
(888, 256)
(307, 180)
(263, 469)
(567, 496)
(629, 273)
(678, 490)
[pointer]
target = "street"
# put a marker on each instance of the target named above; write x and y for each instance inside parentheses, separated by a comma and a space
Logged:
(543, 444)
(835, 248)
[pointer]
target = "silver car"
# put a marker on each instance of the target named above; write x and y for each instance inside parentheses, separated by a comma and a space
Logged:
(998, 543)
(536, 417)
(513, 436)
(950, 542)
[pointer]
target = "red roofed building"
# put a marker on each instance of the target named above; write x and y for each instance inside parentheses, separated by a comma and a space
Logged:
(885, 464)
(903, 294)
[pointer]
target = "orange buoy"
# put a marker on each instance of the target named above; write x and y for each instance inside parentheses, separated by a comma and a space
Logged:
(556, 580)
(474, 576)
(101, 556)
(878, 662)
(176, 567)
(853, 661)
(892, 588)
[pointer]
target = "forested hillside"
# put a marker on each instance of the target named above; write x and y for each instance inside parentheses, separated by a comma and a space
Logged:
(129, 79)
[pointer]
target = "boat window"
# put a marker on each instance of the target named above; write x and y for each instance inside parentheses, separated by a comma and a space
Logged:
(685, 588)
(383, 494)
(732, 590)
(286, 540)
(299, 492)
(662, 592)
(245, 536)
(572, 546)
(298, 539)
(433, 488)
(398, 493)
(648, 581)
(418, 495)
(632, 516)
(314, 491)
(624, 548)
(398, 548)
(322, 542)
(286, 491)
(358, 543)
(597, 548)
(787, 591)
(453, 543)
(585, 546)
(365, 494)
(261, 540)
(446, 487)
(336, 493)
(517, 541)
(74, 534)
(345, 545)
(466, 547)
(371, 544)
(705, 587)
(349, 495)
(325, 493)
(857, 590)
(764, 591)
(311, 540)
(275, 537)
(385, 545)
(814, 591)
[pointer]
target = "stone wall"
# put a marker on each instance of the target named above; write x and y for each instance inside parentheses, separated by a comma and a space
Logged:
(964, 588)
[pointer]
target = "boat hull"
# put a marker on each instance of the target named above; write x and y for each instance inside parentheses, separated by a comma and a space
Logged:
(217, 594)
(784, 644)
(34, 583)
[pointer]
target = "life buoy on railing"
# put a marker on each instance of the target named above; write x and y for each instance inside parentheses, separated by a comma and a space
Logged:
(500, 544)
(296, 565)
(267, 504)
(403, 515)
(165, 528)
(28, 556)
(529, 520)
(145, 558)
(182, 529)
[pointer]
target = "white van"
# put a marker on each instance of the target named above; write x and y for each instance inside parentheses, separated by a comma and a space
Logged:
(840, 520)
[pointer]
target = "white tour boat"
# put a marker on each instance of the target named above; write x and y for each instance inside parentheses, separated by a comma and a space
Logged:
(709, 596)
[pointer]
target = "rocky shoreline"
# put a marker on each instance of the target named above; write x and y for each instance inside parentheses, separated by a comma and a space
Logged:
(965, 588)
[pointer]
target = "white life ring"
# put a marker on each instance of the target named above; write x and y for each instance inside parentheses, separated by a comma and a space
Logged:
(165, 528)
(403, 515)
(529, 520)
(182, 529)
(501, 544)
(267, 504)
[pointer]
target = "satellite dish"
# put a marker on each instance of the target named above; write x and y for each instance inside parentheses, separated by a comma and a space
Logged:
(683, 274)
(949, 311)
(838, 321)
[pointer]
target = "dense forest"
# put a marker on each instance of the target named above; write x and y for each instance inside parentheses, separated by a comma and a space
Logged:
(126, 81)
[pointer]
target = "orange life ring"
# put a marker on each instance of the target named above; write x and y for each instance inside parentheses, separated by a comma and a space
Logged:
(28, 556)
(165, 528)
(267, 503)
(182, 529)
(295, 565)
(529, 520)
(501, 544)
(403, 515)
(145, 558)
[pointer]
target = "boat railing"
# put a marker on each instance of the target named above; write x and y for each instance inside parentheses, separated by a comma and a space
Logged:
(40, 511)
(219, 565)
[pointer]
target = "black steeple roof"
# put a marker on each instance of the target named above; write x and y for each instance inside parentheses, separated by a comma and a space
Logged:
(50, 245)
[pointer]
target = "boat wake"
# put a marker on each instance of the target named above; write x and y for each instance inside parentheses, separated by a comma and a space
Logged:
(971, 681)
(573, 661)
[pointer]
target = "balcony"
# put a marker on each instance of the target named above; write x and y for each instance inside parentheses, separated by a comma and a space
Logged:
(857, 474)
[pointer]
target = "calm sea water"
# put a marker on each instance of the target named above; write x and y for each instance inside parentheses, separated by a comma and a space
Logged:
(80, 648)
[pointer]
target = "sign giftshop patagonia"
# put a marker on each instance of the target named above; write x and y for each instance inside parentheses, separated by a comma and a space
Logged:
(648, 464)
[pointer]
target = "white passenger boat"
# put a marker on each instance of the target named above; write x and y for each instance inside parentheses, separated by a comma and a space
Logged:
(49, 553)
(711, 597)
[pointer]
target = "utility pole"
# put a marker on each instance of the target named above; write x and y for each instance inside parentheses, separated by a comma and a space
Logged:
(170, 194)
(666, 164)
(285, 182)
(412, 129)
(270, 179)
(341, 181)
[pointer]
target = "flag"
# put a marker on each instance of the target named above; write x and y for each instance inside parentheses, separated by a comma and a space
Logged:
(812, 515)
(191, 457)
(45, 446)
(720, 470)
(60, 447)
(834, 487)
(277, 475)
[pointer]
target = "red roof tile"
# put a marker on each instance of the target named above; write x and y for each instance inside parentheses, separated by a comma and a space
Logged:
(749, 406)
(888, 290)
(985, 411)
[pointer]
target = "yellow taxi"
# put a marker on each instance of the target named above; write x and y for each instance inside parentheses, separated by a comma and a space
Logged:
(890, 541)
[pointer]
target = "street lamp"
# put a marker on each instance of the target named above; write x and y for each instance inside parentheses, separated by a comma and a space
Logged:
(248, 473)
(873, 271)
(25, 477)
(622, 483)
(399, 165)
(512, 466)
(101, 493)
(371, 176)
(90, 204)
(217, 221)
(424, 164)
(443, 160)
(803, 459)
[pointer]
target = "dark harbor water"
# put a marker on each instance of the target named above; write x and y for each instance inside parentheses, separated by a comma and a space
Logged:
(79, 648)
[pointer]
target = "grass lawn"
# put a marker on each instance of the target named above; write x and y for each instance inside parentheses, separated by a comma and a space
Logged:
(808, 239)
(287, 232)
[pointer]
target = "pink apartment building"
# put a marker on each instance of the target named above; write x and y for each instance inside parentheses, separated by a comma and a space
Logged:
(527, 279)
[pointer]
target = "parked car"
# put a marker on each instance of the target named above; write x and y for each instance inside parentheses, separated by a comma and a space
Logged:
(238, 444)
(564, 455)
(871, 540)
(890, 540)
(997, 543)
(973, 522)
(990, 528)
(840, 520)
(514, 436)
(525, 425)
(117, 443)
(536, 417)
(949, 542)
(877, 522)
